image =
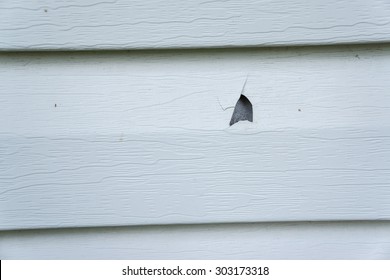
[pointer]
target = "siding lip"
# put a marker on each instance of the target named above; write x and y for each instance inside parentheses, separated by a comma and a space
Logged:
(200, 224)
(193, 47)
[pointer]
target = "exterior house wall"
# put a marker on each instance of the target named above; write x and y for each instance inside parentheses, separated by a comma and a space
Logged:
(115, 130)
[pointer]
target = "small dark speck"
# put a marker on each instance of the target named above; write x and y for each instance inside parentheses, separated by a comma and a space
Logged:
(55, 105)
(357, 56)
(299, 110)
(45, 10)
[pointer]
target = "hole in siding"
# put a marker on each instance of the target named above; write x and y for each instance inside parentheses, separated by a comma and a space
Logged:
(243, 110)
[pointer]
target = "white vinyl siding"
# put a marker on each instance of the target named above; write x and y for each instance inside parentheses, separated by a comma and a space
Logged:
(114, 129)
(154, 24)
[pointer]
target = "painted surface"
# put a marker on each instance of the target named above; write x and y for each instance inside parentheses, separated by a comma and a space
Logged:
(108, 139)
(113, 139)
(139, 24)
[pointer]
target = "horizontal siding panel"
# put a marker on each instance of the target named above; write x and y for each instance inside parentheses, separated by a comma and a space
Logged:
(98, 139)
(122, 24)
(347, 240)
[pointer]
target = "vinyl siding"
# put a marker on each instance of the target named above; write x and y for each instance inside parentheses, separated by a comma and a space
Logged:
(129, 142)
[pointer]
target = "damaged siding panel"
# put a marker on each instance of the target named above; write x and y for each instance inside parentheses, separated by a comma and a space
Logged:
(108, 139)
(122, 24)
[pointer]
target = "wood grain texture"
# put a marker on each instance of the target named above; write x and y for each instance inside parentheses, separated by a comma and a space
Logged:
(346, 240)
(98, 139)
(139, 24)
